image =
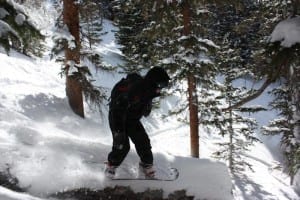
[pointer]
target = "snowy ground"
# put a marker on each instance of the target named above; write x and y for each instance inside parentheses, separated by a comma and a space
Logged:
(50, 149)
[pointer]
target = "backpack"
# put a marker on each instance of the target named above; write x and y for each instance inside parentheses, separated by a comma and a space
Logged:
(119, 92)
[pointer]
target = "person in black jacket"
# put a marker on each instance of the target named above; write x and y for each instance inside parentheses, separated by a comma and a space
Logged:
(125, 113)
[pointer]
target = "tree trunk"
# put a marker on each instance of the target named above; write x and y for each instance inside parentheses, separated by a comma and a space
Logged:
(296, 7)
(230, 158)
(294, 84)
(194, 121)
(295, 81)
(73, 86)
(192, 89)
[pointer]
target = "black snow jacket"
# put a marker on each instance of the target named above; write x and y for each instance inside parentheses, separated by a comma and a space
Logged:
(138, 101)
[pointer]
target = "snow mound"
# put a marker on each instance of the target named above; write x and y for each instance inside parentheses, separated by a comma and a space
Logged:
(49, 149)
(6, 194)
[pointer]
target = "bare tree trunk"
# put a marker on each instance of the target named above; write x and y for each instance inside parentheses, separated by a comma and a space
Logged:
(296, 7)
(192, 90)
(230, 141)
(295, 81)
(294, 84)
(194, 121)
(73, 86)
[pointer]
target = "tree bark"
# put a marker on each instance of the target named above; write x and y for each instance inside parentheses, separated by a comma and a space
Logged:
(296, 7)
(73, 86)
(230, 141)
(192, 89)
(295, 85)
(194, 120)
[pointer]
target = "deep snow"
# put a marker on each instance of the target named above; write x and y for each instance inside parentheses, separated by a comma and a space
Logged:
(50, 149)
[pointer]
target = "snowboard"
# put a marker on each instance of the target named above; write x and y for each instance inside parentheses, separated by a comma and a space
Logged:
(127, 172)
(170, 174)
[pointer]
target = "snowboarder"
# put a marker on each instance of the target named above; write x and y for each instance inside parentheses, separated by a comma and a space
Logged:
(131, 98)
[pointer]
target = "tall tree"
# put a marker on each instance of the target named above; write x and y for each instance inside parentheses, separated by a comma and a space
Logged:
(168, 34)
(91, 20)
(187, 53)
(91, 17)
(268, 13)
(172, 34)
(284, 54)
(86, 55)
(282, 64)
(235, 126)
(192, 85)
(132, 17)
(234, 30)
(72, 57)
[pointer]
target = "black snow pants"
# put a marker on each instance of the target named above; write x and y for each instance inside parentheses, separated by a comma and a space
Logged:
(134, 131)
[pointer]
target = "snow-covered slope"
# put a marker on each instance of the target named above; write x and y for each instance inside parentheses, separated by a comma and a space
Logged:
(6, 194)
(50, 149)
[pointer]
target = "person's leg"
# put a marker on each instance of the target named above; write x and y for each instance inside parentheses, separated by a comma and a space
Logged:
(119, 150)
(121, 143)
(139, 137)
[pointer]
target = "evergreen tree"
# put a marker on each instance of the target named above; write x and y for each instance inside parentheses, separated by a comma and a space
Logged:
(91, 17)
(131, 18)
(172, 34)
(91, 21)
(285, 125)
(89, 33)
(235, 126)
(258, 19)
(16, 30)
(72, 57)
(286, 61)
(178, 41)
(279, 62)
(235, 28)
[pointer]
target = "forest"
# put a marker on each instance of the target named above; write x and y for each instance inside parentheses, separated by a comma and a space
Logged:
(208, 47)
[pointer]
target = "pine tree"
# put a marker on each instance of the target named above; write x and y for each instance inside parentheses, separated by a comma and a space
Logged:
(177, 34)
(285, 126)
(91, 22)
(91, 18)
(171, 34)
(88, 35)
(287, 102)
(235, 126)
(132, 17)
(254, 31)
(284, 65)
(234, 28)
(17, 32)
(72, 57)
